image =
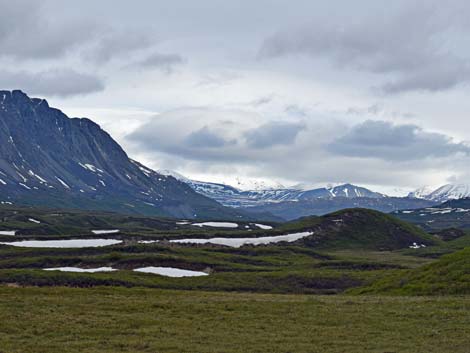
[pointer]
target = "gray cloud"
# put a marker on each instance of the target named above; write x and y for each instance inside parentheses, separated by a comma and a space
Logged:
(261, 101)
(374, 109)
(296, 110)
(407, 46)
(381, 139)
(191, 134)
(60, 82)
(164, 62)
(274, 133)
(204, 138)
(204, 134)
(114, 43)
(26, 32)
(442, 77)
(29, 32)
(218, 79)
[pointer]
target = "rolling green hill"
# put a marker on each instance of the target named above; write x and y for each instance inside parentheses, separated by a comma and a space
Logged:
(361, 229)
(450, 275)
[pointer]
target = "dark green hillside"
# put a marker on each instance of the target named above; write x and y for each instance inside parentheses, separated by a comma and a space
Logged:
(361, 228)
(36, 222)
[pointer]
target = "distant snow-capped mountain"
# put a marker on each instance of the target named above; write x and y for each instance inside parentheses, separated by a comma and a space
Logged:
(300, 200)
(255, 184)
(235, 197)
(421, 193)
(443, 193)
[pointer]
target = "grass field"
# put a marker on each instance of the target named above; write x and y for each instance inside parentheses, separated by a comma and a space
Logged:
(58, 319)
(290, 297)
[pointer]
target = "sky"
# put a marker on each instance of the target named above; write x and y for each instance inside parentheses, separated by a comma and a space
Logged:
(373, 93)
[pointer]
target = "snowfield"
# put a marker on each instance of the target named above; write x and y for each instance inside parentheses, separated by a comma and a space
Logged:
(238, 242)
(78, 269)
(72, 243)
(263, 226)
(170, 271)
(216, 224)
(105, 231)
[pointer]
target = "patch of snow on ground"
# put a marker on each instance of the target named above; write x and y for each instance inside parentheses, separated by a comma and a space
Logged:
(34, 220)
(263, 226)
(170, 271)
(417, 246)
(7, 232)
(106, 231)
(216, 224)
(69, 243)
(78, 269)
(238, 242)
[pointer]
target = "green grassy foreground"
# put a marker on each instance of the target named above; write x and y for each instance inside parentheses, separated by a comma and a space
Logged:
(58, 319)
(450, 274)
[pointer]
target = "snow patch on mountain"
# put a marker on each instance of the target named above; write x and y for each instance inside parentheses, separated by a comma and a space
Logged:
(444, 193)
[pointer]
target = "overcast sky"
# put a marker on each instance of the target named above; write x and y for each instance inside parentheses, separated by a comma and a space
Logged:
(374, 93)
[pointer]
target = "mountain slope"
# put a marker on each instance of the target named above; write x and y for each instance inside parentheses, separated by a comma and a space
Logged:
(48, 159)
(443, 193)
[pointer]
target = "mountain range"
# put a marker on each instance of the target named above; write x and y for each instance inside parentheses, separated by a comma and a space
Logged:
(295, 202)
(234, 197)
(48, 159)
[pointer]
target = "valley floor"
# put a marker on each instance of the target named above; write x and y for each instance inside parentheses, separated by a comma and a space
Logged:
(116, 319)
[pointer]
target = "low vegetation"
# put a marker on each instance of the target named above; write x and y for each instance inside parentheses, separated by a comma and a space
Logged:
(134, 320)
(450, 275)
(383, 295)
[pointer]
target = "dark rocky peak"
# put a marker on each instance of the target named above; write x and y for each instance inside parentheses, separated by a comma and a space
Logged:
(46, 158)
